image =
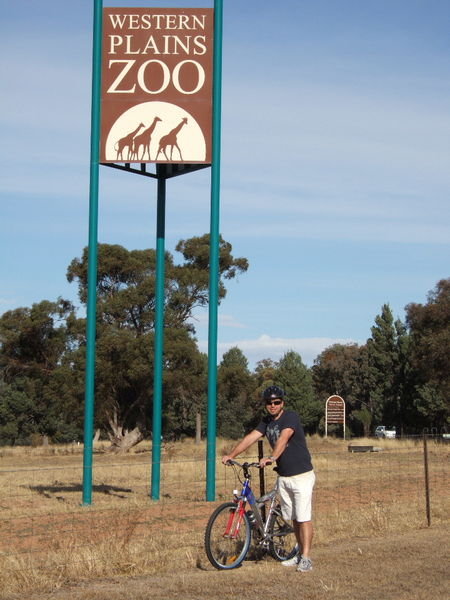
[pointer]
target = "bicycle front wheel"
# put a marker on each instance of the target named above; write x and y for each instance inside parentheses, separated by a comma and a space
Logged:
(283, 543)
(227, 537)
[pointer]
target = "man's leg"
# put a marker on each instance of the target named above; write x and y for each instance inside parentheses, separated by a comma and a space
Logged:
(293, 562)
(298, 536)
(297, 491)
(304, 536)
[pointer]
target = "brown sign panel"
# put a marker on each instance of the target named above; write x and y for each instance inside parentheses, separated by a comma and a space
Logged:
(157, 66)
(335, 410)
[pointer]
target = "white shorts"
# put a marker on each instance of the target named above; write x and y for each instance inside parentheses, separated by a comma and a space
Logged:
(296, 496)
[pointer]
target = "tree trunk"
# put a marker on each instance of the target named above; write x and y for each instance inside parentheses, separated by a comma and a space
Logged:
(122, 440)
(121, 443)
(198, 428)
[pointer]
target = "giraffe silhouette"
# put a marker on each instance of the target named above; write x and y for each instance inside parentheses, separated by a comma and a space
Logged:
(143, 139)
(170, 139)
(126, 141)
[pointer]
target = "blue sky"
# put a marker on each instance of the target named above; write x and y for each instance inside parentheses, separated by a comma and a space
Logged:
(335, 164)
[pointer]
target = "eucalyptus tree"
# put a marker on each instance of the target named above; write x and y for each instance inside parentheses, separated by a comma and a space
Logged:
(125, 327)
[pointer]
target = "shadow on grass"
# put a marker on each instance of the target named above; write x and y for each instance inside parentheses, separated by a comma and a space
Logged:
(50, 491)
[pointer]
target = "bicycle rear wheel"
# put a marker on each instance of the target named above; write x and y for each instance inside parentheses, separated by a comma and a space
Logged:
(283, 543)
(227, 537)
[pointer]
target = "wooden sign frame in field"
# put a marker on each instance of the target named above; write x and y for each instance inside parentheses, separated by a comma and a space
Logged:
(334, 412)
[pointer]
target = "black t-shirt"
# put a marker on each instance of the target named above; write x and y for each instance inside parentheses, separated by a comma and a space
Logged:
(296, 458)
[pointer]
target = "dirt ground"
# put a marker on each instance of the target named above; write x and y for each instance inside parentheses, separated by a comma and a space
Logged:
(410, 566)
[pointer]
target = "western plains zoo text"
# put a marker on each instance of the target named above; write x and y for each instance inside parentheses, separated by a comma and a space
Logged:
(154, 75)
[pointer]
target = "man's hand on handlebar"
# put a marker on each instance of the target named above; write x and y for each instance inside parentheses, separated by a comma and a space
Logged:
(228, 462)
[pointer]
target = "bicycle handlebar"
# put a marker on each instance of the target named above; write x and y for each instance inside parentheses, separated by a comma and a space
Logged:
(245, 465)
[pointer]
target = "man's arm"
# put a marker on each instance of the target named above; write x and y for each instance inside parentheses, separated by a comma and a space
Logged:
(279, 448)
(245, 443)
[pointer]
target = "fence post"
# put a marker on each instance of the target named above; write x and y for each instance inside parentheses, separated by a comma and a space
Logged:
(262, 481)
(262, 484)
(427, 479)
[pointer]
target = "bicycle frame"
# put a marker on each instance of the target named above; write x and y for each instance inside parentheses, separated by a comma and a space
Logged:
(247, 496)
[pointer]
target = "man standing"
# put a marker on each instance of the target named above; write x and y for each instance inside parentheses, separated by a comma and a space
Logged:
(295, 471)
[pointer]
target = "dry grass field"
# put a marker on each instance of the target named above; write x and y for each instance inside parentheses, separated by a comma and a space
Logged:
(409, 566)
(372, 539)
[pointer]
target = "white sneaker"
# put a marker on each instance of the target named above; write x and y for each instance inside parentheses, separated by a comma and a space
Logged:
(291, 562)
(304, 564)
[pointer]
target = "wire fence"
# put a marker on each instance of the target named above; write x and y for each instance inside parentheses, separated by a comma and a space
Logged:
(46, 535)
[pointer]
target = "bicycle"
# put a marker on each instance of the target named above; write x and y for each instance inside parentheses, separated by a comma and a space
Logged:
(232, 526)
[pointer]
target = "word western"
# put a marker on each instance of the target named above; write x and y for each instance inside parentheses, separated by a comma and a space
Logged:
(157, 21)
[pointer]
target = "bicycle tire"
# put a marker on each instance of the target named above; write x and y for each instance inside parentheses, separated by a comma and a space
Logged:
(227, 552)
(283, 543)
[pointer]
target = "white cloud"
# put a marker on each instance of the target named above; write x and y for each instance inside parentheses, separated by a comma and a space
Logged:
(266, 346)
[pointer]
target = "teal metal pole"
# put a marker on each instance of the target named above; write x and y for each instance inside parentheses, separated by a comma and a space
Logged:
(159, 333)
(214, 256)
(93, 256)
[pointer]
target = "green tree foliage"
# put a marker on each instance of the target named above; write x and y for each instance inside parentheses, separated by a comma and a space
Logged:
(400, 377)
(385, 350)
(125, 286)
(195, 268)
(402, 412)
(38, 374)
(184, 384)
(337, 370)
(17, 414)
(125, 324)
(190, 280)
(235, 406)
(429, 326)
(33, 340)
(265, 372)
(126, 282)
(296, 379)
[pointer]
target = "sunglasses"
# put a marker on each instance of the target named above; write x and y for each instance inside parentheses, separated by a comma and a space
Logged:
(274, 402)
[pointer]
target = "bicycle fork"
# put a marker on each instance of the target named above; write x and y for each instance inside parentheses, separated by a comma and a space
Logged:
(235, 520)
(236, 517)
